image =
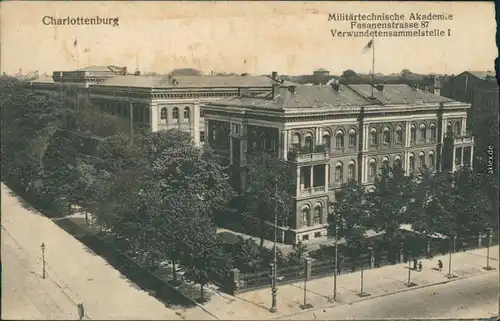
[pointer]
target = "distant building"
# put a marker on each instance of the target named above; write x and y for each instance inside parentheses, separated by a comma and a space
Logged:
(321, 73)
(147, 102)
(480, 89)
(335, 133)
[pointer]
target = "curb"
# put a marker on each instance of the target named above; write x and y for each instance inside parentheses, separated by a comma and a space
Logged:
(386, 294)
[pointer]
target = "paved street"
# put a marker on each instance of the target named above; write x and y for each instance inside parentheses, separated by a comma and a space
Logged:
(377, 282)
(74, 275)
(475, 297)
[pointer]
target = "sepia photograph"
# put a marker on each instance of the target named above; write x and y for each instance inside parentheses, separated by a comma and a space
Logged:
(249, 160)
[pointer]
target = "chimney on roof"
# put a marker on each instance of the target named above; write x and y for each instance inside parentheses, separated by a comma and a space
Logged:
(335, 85)
(379, 87)
(276, 91)
(125, 71)
(137, 72)
(274, 75)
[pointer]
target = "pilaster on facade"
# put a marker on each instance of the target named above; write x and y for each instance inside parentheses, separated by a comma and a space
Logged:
(243, 151)
(195, 124)
(454, 167)
(298, 181)
(408, 135)
(327, 177)
(153, 117)
(230, 151)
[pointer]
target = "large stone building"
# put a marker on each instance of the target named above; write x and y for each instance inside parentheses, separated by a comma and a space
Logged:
(480, 89)
(147, 102)
(337, 132)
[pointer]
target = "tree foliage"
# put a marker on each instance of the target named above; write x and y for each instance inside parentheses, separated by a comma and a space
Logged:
(270, 188)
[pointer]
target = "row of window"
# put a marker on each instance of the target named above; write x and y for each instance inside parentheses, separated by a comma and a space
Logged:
(386, 136)
(175, 115)
(316, 219)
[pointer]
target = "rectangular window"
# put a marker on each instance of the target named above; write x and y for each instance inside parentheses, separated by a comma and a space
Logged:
(202, 136)
(317, 235)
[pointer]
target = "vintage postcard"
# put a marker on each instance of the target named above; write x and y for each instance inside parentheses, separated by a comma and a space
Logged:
(231, 160)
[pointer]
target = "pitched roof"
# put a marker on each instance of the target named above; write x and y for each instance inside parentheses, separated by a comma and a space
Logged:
(481, 74)
(43, 79)
(399, 94)
(348, 97)
(302, 97)
(188, 81)
(114, 69)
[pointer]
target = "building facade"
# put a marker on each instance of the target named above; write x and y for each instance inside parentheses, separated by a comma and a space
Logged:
(136, 102)
(480, 89)
(335, 133)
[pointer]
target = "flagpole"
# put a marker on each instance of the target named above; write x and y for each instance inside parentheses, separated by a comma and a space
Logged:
(373, 64)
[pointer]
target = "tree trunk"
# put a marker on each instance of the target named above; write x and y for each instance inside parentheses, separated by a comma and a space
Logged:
(174, 275)
(202, 293)
(262, 233)
(86, 218)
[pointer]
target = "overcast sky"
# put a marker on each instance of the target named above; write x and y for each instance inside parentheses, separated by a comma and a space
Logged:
(253, 37)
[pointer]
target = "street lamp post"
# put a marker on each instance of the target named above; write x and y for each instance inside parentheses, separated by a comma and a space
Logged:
(409, 274)
(336, 261)
(488, 267)
(274, 290)
(452, 250)
(43, 260)
(361, 292)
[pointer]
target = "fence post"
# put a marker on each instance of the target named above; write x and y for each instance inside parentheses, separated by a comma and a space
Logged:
(308, 270)
(428, 248)
(372, 259)
(479, 241)
(401, 254)
(235, 281)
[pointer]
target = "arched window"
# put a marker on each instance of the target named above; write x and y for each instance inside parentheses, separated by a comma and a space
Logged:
(296, 139)
(413, 133)
(326, 140)
(432, 132)
(421, 160)
(351, 170)
(423, 134)
(318, 211)
(412, 162)
(186, 114)
(175, 114)
(458, 128)
(372, 168)
(254, 139)
(214, 133)
(387, 136)
(163, 115)
(385, 162)
(305, 216)
(352, 138)
(309, 142)
(449, 130)
(339, 139)
(399, 135)
(397, 161)
(339, 169)
(431, 159)
(373, 137)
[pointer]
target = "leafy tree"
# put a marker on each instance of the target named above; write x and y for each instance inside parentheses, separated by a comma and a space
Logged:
(427, 209)
(351, 215)
(471, 211)
(405, 73)
(203, 255)
(270, 188)
(349, 74)
(296, 257)
(28, 122)
(390, 201)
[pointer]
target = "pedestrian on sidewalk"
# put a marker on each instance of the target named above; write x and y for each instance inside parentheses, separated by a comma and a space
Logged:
(81, 311)
(420, 266)
(414, 263)
(440, 265)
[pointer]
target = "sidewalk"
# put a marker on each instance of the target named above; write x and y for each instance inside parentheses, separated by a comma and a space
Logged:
(377, 282)
(83, 276)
